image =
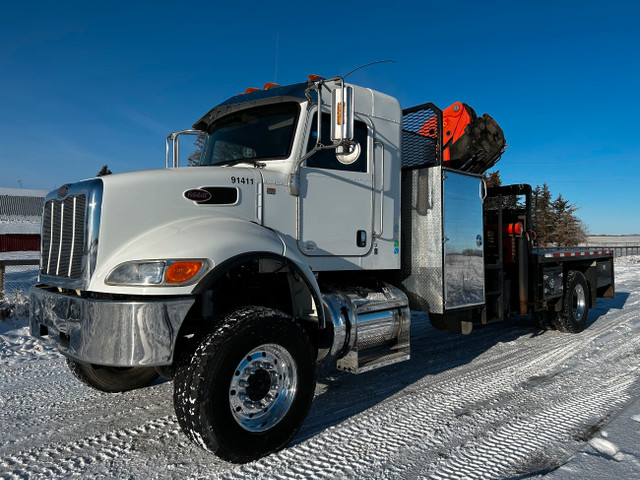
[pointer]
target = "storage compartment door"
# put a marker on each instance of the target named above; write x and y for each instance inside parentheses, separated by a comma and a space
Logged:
(463, 241)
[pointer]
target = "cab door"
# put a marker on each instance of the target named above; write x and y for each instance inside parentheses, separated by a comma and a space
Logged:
(336, 200)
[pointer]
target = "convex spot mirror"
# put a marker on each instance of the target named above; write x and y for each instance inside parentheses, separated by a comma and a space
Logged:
(342, 125)
(348, 153)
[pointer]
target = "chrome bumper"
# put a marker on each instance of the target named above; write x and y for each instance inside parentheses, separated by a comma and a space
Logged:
(112, 333)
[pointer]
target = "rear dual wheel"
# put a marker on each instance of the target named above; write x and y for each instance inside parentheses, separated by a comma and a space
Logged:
(575, 304)
(574, 307)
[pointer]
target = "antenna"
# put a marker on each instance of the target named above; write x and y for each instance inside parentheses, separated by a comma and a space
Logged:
(275, 77)
(368, 65)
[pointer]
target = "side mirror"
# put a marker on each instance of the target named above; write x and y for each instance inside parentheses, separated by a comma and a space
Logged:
(342, 114)
(342, 125)
(348, 153)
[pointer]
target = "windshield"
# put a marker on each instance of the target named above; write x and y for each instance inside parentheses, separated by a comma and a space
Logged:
(260, 133)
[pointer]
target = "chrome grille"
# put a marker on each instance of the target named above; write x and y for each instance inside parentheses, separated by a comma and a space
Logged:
(63, 236)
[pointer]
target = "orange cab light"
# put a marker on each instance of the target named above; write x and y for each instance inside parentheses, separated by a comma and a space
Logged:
(182, 271)
(313, 78)
(250, 90)
(269, 85)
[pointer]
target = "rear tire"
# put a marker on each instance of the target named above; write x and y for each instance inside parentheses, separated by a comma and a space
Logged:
(248, 387)
(575, 304)
(112, 379)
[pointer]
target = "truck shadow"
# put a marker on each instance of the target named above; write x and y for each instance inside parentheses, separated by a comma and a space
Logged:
(604, 305)
(341, 395)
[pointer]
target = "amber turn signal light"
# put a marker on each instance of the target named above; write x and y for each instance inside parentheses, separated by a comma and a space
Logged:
(182, 271)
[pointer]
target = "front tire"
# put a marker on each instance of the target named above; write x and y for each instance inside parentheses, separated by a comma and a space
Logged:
(112, 379)
(575, 304)
(248, 387)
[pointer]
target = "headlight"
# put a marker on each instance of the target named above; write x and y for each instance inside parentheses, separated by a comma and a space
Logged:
(156, 272)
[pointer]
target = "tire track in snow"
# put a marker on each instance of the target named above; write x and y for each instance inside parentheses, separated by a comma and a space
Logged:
(383, 439)
(503, 401)
(526, 439)
(60, 459)
(60, 411)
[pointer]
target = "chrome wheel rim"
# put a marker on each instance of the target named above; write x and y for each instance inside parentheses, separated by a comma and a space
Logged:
(262, 387)
(579, 302)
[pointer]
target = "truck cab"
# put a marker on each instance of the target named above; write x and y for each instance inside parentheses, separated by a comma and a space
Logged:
(139, 269)
(313, 219)
(331, 213)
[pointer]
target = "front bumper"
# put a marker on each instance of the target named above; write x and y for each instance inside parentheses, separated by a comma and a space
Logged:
(106, 332)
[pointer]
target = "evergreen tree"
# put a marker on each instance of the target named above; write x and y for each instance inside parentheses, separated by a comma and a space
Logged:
(493, 179)
(568, 229)
(542, 213)
(554, 221)
(104, 171)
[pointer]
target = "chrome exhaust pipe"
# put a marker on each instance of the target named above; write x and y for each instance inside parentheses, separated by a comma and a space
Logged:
(367, 330)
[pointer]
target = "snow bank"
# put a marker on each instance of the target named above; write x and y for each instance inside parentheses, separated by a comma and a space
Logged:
(629, 260)
(16, 345)
(20, 227)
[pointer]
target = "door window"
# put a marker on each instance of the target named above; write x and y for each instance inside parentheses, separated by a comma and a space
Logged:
(326, 158)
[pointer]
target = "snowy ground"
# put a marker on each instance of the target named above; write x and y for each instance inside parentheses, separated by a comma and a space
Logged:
(505, 402)
(21, 226)
(610, 240)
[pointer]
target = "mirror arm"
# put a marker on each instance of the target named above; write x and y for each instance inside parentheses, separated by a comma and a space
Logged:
(293, 185)
(294, 178)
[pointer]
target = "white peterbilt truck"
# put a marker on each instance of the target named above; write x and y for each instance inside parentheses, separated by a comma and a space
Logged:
(314, 218)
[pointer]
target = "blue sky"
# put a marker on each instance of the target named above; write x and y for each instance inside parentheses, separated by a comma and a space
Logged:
(84, 84)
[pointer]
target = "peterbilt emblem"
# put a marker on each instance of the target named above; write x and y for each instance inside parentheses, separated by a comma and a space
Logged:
(63, 191)
(197, 195)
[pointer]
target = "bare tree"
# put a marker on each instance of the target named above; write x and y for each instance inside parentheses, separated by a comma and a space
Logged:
(194, 158)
